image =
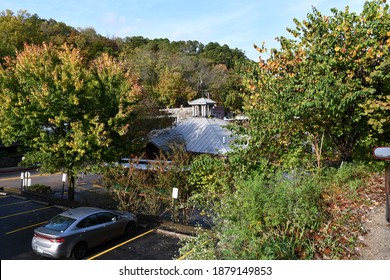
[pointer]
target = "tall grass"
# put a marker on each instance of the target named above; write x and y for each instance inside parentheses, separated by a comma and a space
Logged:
(285, 217)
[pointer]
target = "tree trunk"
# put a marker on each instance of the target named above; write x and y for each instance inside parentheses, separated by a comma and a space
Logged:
(71, 185)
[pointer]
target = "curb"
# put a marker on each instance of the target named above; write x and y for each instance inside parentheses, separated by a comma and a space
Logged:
(20, 197)
(174, 234)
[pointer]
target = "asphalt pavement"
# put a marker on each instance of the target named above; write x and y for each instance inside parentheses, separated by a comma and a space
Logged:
(19, 216)
(20, 213)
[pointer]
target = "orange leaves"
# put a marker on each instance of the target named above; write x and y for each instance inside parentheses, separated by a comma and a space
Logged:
(261, 49)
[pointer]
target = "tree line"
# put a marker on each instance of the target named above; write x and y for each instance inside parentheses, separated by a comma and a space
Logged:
(172, 72)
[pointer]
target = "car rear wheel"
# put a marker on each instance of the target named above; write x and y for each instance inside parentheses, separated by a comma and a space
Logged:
(130, 229)
(79, 251)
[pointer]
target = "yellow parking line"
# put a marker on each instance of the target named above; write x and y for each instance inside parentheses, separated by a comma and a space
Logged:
(98, 186)
(20, 229)
(21, 213)
(14, 203)
(121, 244)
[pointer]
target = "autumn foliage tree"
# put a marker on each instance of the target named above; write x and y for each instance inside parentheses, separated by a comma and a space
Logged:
(330, 81)
(68, 111)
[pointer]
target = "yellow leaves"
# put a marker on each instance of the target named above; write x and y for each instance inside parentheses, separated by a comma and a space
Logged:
(378, 112)
(73, 99)
(354, 53)
(370, 53)
(326, 19)
(350, 74)
(261, 49)
(368, 79)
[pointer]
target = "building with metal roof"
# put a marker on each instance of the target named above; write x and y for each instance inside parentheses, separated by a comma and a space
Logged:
(201, 134)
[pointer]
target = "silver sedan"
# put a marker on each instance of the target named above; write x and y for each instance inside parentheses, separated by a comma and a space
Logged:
(75, 231)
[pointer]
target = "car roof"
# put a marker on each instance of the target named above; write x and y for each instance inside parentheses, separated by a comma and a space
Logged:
(80, 212)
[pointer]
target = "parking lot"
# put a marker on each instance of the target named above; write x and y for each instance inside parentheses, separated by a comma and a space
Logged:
(19, 216)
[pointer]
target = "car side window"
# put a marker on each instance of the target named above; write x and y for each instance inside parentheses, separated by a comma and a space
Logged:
(88, 221)
(105, 217)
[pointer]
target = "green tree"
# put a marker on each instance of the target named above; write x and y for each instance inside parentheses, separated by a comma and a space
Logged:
(55, 32)
(68, 112)
(208, 179)
(318, 84)
(92, 44)
(222, 54)
(173, 89)
(18, 29)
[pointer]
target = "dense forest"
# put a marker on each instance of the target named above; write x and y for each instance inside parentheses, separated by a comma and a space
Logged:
(170, 72)
(315, 108)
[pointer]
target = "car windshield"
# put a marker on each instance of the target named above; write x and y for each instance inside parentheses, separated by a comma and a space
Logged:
(59, 223)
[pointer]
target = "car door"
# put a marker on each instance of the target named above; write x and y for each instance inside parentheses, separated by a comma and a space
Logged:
(91, 230)
(111, 225)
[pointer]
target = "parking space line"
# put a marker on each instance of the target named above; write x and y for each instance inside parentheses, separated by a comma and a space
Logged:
(21, 213)
(119, 245)
(30, 226)
(14, 203)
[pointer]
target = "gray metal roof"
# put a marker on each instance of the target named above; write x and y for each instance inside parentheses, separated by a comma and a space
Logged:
(201, 101)
(200, 135)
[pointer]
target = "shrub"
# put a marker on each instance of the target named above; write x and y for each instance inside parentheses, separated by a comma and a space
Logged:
(267, 219)
(41, 189)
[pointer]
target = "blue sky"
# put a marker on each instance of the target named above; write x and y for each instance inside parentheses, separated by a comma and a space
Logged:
(237, 23)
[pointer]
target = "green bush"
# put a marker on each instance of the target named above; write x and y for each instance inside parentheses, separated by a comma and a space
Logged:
(39, 188)
(346, 173)
(267, 219)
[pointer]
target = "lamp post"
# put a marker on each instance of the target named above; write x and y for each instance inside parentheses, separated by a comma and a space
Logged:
(64, 178)
(22, 175)
(25, 178)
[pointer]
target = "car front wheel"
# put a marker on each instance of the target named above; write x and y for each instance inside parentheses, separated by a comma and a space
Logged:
(79, 251)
